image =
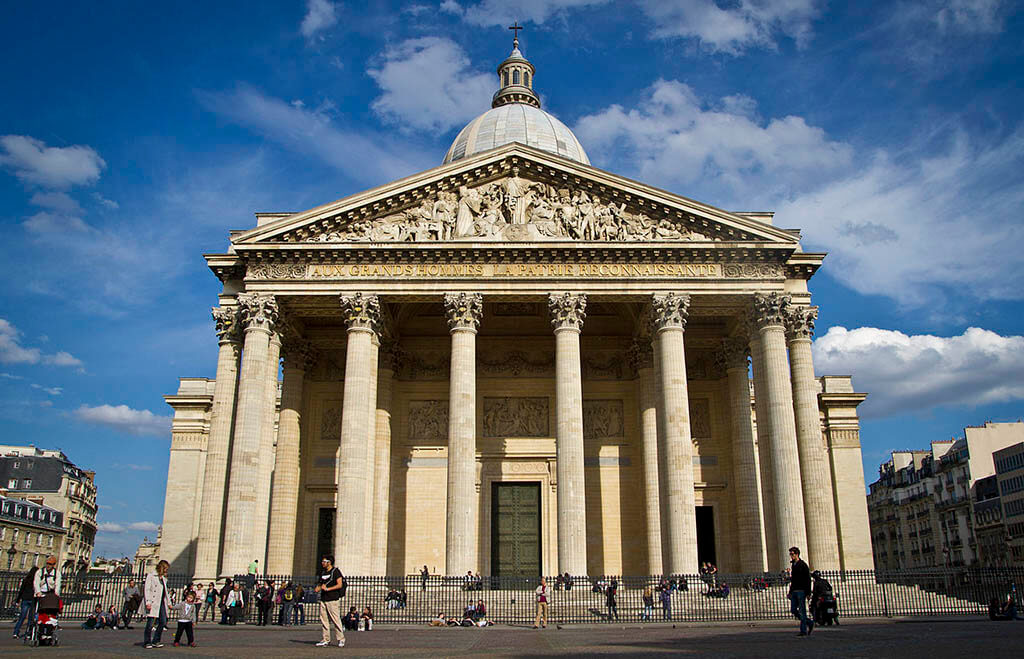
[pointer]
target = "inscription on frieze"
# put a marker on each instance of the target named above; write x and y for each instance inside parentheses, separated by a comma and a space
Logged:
(516, 417)
(602, 419)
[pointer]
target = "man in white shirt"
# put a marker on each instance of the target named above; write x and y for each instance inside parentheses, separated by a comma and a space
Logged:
(543, 593)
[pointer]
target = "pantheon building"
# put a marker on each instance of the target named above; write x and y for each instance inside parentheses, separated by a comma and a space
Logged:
(514, 363)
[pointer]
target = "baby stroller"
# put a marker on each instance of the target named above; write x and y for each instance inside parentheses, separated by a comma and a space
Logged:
(44, 630)
(824, 606)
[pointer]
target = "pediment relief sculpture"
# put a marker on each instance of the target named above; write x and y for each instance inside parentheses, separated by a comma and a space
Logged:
(509, 209)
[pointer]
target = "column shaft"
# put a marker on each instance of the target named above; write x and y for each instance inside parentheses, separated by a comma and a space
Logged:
(744, 468)
(268, 435)
(285, 500)
(764, 457)
(371, 448)
(382, 467)
(218, 449)
(461, 529)
(240, 543)
(819, 509)
(572, 507)
(649, 438)
(350, 524)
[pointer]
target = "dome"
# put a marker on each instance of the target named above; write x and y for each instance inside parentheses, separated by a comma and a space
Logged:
(515, 116)
(516, 122)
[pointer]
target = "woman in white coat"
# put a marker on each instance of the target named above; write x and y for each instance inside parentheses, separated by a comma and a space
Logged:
(156, 597)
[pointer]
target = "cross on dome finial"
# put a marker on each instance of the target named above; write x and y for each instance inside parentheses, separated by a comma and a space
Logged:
(515, 77)
(515, 27)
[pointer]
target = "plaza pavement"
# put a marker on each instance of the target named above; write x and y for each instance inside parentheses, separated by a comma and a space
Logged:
(875, 639)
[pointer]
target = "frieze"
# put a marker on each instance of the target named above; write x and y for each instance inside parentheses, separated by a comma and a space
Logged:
(425, 365)
(515, 417)
(700, 419)
(428, 420)
(509, 209)
(330, 423)
(604, 366)
(603, 419)
(516, 363)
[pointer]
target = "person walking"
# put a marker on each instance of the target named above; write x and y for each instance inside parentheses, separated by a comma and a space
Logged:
(48, 579)
(264, 602)
(131, 598)
(543, 594)
(287, 597)
(235, 604)
(330, 588)
(799, 587)
(613, 607)
(26, 599)
(156, 598)
(648, 598)
(210, 602)
(187, 613)
(666, 603)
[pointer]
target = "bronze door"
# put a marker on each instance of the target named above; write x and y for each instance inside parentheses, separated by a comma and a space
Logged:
(515, 529)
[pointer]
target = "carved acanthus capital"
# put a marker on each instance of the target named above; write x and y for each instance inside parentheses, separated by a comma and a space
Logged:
(361, 310)
(669, 310)
(568, 310)
(768, 309)
(733, 354)
(800, 322)
(299, 354)
(464, 310)
(258, 311)
(227, 326)
(641, 354)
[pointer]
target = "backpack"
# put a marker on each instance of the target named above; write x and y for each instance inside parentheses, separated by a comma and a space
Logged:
(344, 586)
(288, 595)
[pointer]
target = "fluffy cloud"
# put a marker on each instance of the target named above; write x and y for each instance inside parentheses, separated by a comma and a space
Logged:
(360, 154)
(498, 12)
(58, 201)
(122, 418)
(427, 83)
(12, 352)
(48, 166)
(735, 26)
(320, 15)
(53, 391)
(676, 139)
(116, 527)
(965, 16)
(47, 223)
(911, 374)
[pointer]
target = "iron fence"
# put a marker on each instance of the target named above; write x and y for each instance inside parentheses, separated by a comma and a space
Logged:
(410, 600)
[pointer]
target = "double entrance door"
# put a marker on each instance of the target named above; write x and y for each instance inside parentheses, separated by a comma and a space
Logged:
(515, 529)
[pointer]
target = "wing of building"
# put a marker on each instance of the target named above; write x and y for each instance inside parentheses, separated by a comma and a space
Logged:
(514, 363)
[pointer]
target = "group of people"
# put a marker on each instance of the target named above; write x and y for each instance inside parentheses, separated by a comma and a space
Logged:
(40, 590)
(396, 599)
(289, 597)
(472, 581)
(474, 615)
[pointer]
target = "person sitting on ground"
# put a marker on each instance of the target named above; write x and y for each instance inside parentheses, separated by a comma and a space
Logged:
(391, 599)
(111, 617)
(438, 621)
(95, 619)
(351, 620)
(1006, 610)
(367, 618)
(480, 612)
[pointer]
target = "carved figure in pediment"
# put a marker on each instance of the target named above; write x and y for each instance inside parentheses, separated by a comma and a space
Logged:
(469, 209)
(444, 211)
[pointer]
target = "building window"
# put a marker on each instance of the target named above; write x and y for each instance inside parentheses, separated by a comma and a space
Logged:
(504, 78)
(28, 483)
(17, 464)
(14, 536)
(29, 464)
(526, 78)
(515, 77)
(3, 532)
(24, 558)
(28, 537)
(39, 539)
(49, 541)
(12, 484)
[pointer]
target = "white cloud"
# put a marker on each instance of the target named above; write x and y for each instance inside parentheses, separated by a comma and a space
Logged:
(106, 203)
(50, 166)
(132, 467)
(501, 13)
(58, 201)
(121, 527)
(122, 418)
(46, 223)
(62, 358)
(675, 139)
(913, 374)
(970, 16)
(110, 527)
(53, 391)
(11, 377)
(361, 154)
(916, 230)
(427, 83)
(12, 352)
(320, 15)
(735, 26)
(142, 526)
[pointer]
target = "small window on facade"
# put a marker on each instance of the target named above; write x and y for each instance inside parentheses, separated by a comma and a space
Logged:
(28, 483)
(12, 484)
(515, 77)
(17, 464)
(526, 78)
(29, 464)
(504, 78)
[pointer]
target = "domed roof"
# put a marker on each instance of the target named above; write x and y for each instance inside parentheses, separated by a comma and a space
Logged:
(515, 116)
(516, 122)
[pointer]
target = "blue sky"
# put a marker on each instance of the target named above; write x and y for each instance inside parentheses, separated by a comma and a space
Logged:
(134, 136)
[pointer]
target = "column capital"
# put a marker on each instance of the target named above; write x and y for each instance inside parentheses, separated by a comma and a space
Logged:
(733, 353)
(768, 309)
(362, 311)
(800, 322)
(568, 310)
(464, 310)
(227, 326)
(259, 311)
(641, 354)
(298, 353)
(669, 311)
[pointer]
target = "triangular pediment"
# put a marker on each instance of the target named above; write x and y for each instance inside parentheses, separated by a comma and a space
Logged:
(514, 194)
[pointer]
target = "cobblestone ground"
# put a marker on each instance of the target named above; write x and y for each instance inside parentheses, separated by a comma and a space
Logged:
(861, 638)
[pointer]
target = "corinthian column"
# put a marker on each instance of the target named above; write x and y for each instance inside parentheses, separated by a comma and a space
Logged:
(464, 311)
(211, 511)
(668, 315)
(370, 433)
(643, 360)
(744, 458)
(567, 314)
(259, 315)
(819, 510)
(261, 523)
(382, 459)
(298, 359)
(764, 455)
(768, 316)
(362, 313)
